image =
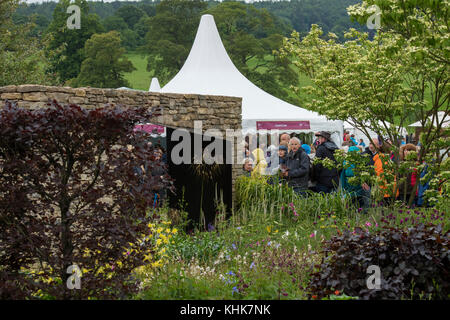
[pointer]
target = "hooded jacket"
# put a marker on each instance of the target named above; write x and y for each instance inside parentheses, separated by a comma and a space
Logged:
(298, 165)
(322, 175)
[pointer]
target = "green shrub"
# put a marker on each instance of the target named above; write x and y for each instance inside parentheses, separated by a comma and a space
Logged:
(203, 246)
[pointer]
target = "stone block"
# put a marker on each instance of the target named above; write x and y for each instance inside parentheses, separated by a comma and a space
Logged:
(8, 89)
(31, 88)
(80, 92)
(35, 96)
(11, 96)
(63, 89)
(58, 96)
(77, 100)
(32, 104)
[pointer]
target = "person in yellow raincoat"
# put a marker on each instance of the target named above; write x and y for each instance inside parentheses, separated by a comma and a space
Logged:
(259, 161)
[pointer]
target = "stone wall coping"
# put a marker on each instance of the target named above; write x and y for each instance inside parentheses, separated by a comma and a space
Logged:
(112, 92)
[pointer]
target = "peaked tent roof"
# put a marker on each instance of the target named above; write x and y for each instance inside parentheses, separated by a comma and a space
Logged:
(209, 70)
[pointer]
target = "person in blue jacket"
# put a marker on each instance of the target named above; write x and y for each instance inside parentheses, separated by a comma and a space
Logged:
(355, 192)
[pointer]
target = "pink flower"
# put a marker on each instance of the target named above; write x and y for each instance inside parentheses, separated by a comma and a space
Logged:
(295, 213)
(368, 224)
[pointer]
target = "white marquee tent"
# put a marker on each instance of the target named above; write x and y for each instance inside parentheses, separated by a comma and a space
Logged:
(209, 70)
(359, 134)
(440, 119)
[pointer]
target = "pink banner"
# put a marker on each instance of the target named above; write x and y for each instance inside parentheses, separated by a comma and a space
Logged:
(282, 125)
(150, 128)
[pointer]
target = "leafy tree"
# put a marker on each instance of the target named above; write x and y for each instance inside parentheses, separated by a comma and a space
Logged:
(114, 23)
(378, 83)
(70, 196)
(22, 59)
(330, 15)
(250, 36)
(142, 27)
(130, 14)
(130, 38)
(105, 62)
(66, 45)
(148, 8)
(170, 36)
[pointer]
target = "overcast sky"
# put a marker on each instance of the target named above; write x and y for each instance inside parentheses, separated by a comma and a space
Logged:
(34, 1)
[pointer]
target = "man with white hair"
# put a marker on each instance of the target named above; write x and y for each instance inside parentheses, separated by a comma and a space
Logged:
(297, 167)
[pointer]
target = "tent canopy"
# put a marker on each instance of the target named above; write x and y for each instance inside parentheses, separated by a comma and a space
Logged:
(440, 117)
(359, 134)
(209, 70)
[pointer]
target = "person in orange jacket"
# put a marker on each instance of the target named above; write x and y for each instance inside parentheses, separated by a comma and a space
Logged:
(379, 159)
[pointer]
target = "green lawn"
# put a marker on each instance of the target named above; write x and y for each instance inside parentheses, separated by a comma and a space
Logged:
(139, 79)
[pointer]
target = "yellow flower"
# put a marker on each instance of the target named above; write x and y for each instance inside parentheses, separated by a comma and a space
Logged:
(333, 217)
(158, 242)
(174, 230)
(148, 257)
(159, 230)
(268, 229)
(276, 231)
(167, 222)
(151, 225)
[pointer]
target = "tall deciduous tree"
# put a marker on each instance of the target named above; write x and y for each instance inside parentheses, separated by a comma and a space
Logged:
(130, 14)
(105, 62)
(66, 45)
(170, 35)
(250, 36)
(22, 59)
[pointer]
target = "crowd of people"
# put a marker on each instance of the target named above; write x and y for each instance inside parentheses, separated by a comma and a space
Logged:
(297, 169)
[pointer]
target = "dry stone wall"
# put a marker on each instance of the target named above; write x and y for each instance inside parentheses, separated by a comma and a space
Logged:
(177, 110)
